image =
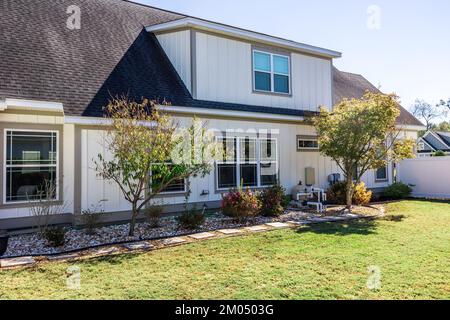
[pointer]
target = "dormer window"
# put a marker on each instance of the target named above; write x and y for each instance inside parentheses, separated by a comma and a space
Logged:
(271, 72)
(421, 146)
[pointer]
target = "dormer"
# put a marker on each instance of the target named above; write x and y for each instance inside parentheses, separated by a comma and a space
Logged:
(227, 64)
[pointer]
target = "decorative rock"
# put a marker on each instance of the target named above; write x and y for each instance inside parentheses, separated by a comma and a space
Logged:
(63, 257)
(105, 251)
(335, 218)
(299, 223)
(257, 228)
(173, 241)
(229, 231)
(201, 236)
(138, 246)
(317, 219)
(351, 215)
(278, 225)
(16, 262)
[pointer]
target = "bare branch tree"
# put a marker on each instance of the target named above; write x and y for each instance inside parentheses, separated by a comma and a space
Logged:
(426, 112)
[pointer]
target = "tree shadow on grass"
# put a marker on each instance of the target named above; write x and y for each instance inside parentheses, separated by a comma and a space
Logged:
(361, 227)
(115, 259)
(394, 217)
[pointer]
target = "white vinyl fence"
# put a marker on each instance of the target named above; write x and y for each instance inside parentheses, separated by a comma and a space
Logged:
(429, 177)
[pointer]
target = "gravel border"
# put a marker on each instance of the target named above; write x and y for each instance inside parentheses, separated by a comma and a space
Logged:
(167, 231)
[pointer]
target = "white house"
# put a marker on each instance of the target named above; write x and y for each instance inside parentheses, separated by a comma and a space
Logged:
(254, 89)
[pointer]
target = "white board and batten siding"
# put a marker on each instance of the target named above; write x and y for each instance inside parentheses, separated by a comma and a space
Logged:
(177, 46)
(223, 72)
(429, 177)
(292, 164)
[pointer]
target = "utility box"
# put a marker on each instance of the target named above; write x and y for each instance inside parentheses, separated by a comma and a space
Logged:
(310, 176)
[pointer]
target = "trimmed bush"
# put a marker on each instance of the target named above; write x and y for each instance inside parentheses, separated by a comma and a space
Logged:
(55, 236)
(191, 219)
(361, 196)
(273, 201)
(240, 204)
(337, 194)
(439, 153)
(397, 191)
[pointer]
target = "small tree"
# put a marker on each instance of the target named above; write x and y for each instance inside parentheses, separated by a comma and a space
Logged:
(426, 112)
(361, 134)
(147, 152)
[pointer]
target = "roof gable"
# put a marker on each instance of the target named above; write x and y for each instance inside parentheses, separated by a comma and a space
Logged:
(435, 140)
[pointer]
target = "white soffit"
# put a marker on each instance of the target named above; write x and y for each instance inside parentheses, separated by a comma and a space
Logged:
(31, 105)
(242, 34)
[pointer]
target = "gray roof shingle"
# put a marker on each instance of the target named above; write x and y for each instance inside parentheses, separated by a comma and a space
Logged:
(41, 59)
(350, 85)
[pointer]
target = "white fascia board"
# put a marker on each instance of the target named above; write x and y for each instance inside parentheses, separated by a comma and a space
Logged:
(243, 34)
(88, 121)
(411, 127)
(421, 139)
(92, 121)
(229, 113)
(3, 105)
(438, 138)
(33, 105)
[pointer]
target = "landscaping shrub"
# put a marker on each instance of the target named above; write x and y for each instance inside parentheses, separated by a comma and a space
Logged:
(273, 201)
(439, 153)
(240, 204)
(191, 219)
(153, 214)
(90, 218)
(361, 195)
(397, 191)
(337, 193)
(55, 236)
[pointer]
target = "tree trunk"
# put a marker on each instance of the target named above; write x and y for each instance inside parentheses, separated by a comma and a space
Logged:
(134, 213)
(349, 193)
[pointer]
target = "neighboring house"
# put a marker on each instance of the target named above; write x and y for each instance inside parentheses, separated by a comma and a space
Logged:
(253, 89)
(433, 141)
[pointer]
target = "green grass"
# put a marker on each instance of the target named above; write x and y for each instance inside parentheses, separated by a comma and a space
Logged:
(411, 247)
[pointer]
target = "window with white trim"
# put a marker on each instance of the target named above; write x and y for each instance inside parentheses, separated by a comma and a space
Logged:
(381, 174)
(421, 146)
(159, 177)
(247, 160)
(31, 163)
(271, 72)
(304, 143)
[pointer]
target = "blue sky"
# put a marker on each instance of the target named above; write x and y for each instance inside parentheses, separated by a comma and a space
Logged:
(406, 50)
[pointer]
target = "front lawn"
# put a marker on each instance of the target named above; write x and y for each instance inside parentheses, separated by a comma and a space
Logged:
(411, 248)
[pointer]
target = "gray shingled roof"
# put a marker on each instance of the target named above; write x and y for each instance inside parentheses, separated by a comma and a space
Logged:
(41, 59)
(111, 54)
(350, 85)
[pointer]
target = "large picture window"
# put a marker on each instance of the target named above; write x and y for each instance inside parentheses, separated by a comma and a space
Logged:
(31, 163)
(271, 72)
(247, 160)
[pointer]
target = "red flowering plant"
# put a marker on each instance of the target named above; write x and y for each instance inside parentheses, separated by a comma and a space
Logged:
(273, 201)
(241, 204)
